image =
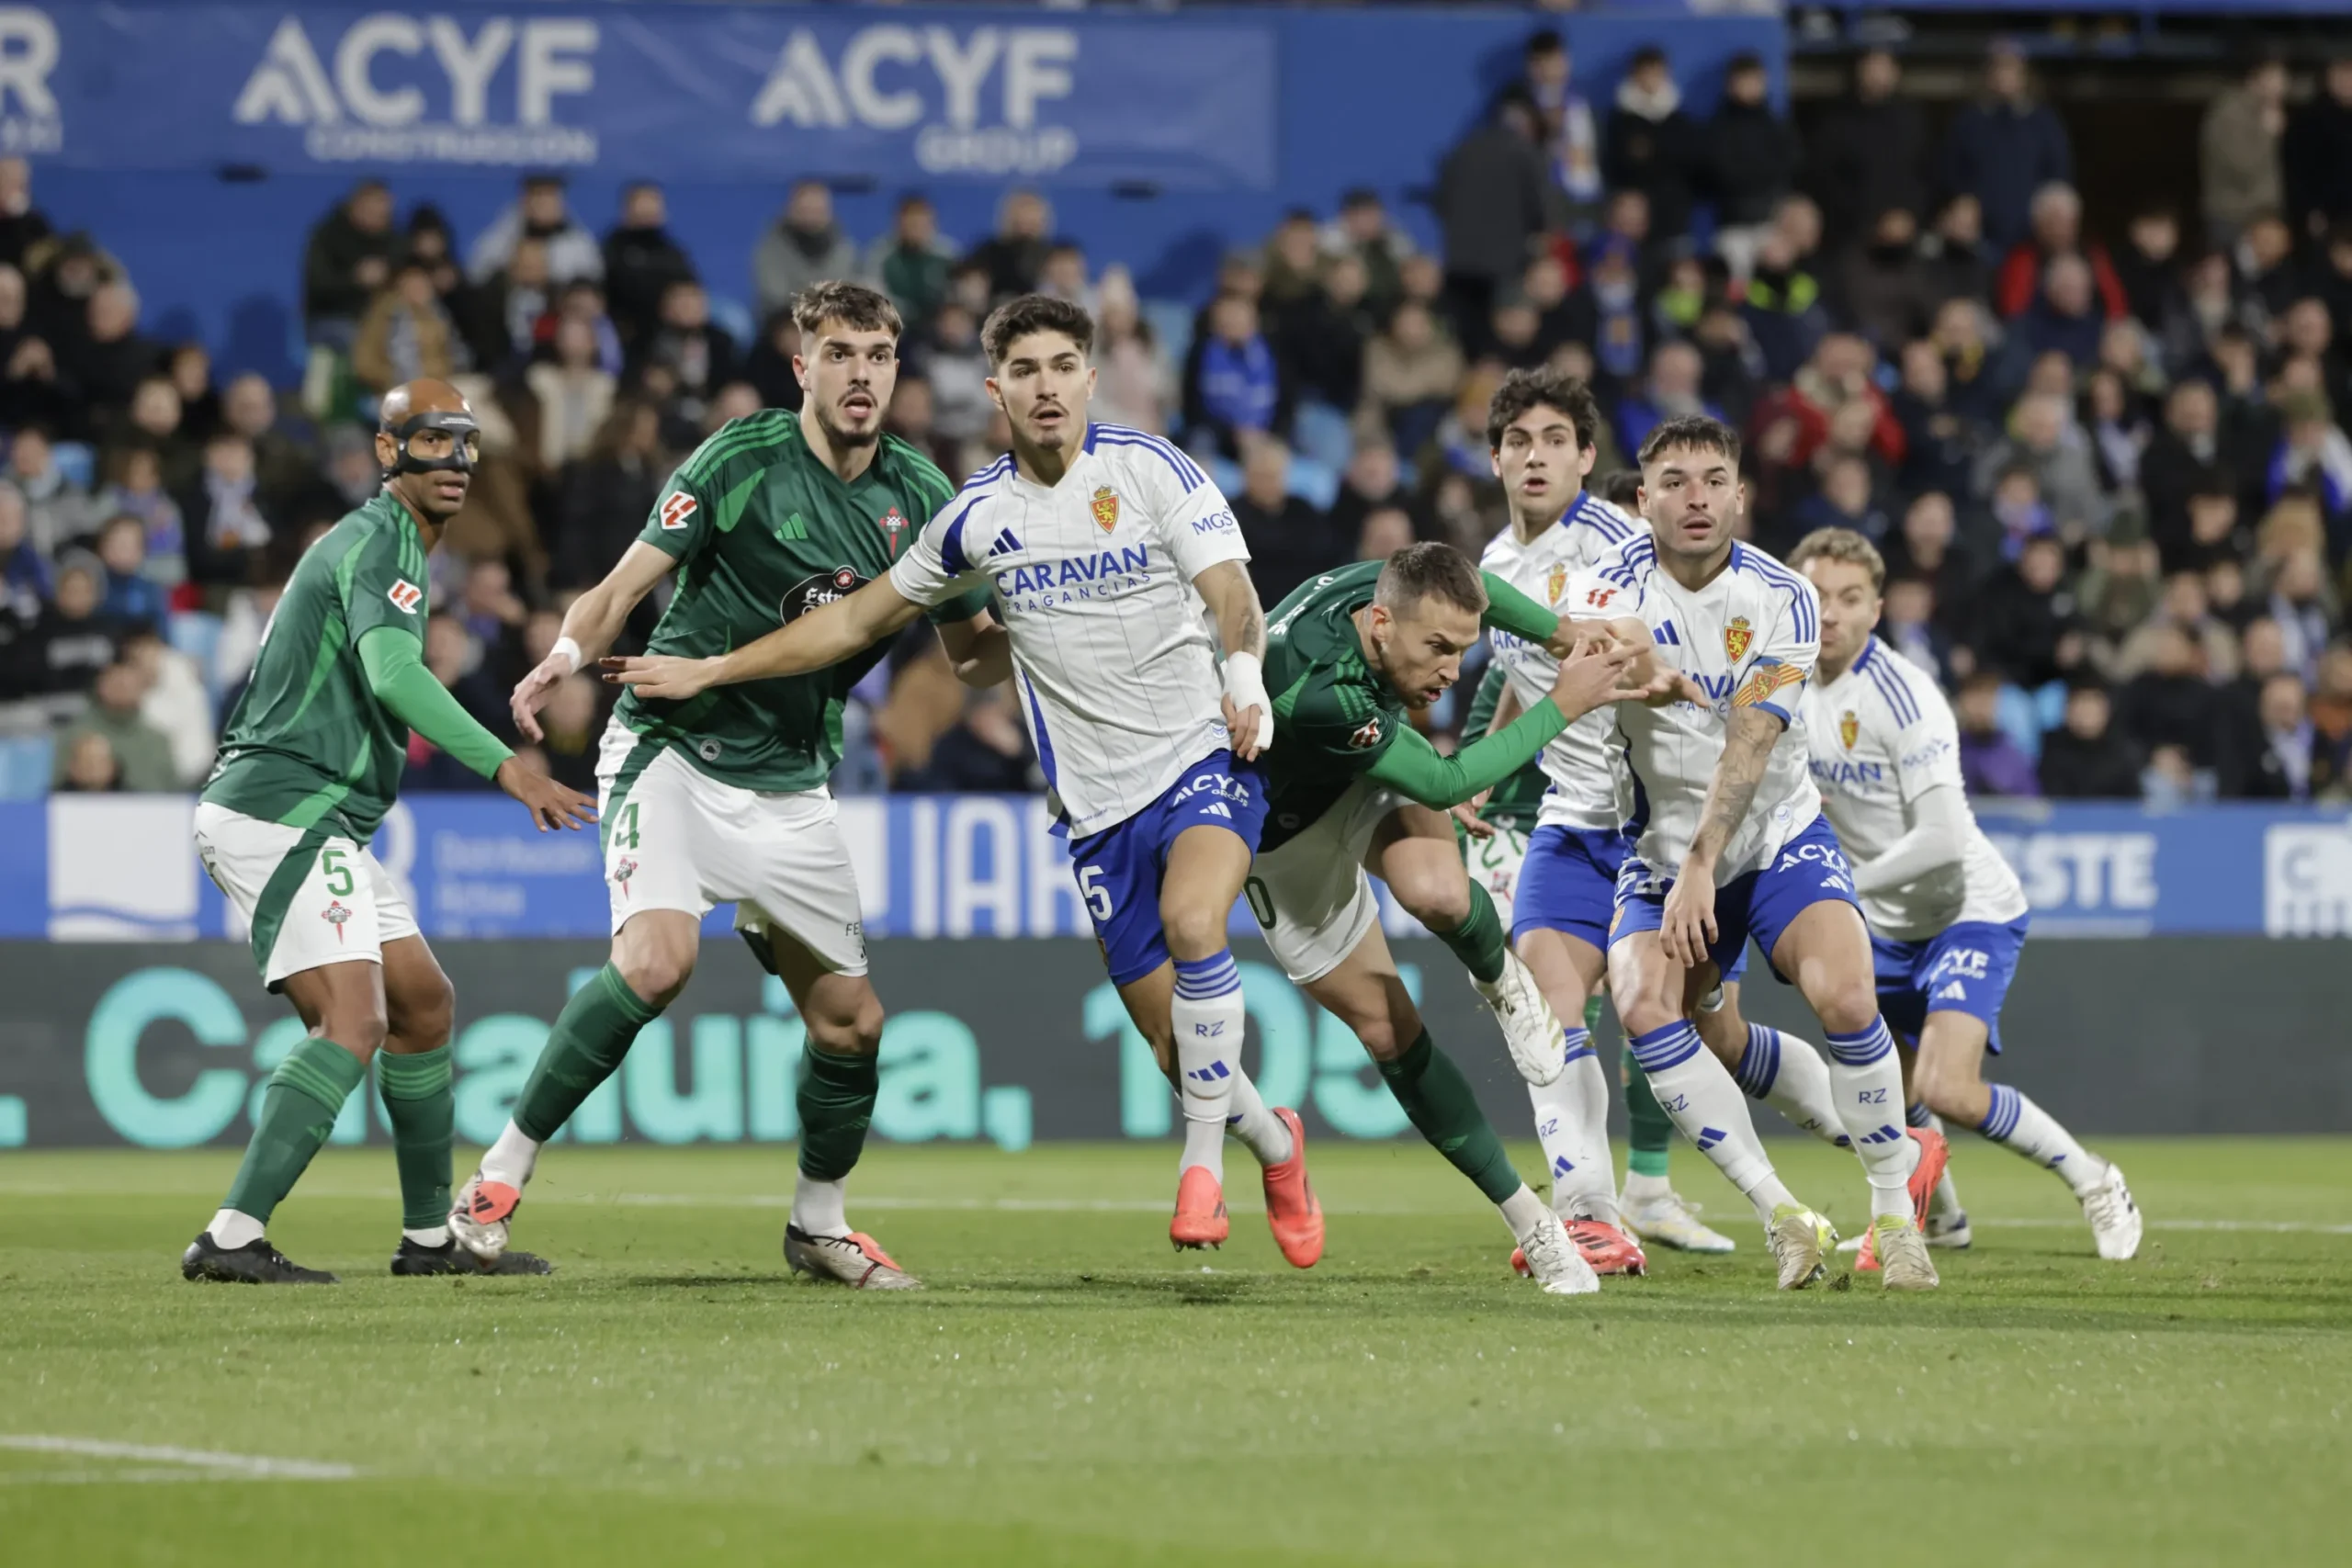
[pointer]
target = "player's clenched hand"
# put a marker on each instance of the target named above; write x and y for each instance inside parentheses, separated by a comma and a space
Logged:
(1467, 815)
(1589, 677)
(531, 693)
(662, 675)
(551, 804)
(1687, 928)
(1241, 731)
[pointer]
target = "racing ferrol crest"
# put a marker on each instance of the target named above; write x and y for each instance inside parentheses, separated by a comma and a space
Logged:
(1106, 507)
(1736, 637)
(1849, 727)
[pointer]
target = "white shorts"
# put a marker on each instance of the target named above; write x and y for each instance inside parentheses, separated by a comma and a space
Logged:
(338, 904)
(677, 839)
(1495, 863)
(1312, 897)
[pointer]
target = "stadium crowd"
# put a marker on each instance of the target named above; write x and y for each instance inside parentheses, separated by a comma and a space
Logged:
(2112, 483)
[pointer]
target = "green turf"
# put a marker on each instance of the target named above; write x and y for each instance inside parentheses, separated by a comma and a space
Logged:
(1070, 1392)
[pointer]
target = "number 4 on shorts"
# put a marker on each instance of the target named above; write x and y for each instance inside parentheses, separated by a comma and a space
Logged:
(625, 828)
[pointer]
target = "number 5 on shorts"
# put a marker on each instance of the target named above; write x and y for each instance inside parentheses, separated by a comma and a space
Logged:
(1097, 895)
(338, 870)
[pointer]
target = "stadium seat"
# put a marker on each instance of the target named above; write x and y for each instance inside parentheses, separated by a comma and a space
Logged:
(1321, 431)
(77, 462)
(197, 633)
(25, 761)
(1314, 481)
(2019, 715)
(735, 318)
(1172, 323)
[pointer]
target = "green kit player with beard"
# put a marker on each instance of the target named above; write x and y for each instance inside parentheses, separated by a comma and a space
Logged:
(1352, 788)
(721, 798)
(308, 766)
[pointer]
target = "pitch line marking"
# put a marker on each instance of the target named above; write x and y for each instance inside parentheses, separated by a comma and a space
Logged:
(197, 1464)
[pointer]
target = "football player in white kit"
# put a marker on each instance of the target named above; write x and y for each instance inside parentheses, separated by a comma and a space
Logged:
(1947, 916)
(1101, 546)
(1729, 842)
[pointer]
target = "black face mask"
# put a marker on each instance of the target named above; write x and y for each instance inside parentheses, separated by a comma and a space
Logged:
(465, 443)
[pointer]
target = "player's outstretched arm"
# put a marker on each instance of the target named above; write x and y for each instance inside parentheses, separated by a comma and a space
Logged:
(1689, 925)
(595, 619)
(1232, 600)
(981, 650)
(410, 693)
(822, 637)
(1416, 769)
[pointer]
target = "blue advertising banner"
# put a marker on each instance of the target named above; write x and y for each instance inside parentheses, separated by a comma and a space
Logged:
(726, 92)
(119, 868)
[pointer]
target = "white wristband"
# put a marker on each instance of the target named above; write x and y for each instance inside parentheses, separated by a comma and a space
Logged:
(568, 648)
(1245, 682)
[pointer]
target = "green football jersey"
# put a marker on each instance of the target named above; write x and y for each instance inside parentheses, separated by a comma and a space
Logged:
(1513, 801)
(1333, 718)
(765, 531)
(308, 744)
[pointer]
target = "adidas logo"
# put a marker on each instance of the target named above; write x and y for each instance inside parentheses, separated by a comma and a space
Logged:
(794, 528)
(1708, 1138)
(1005, 544)
(1562, 1164)
(1883, 1135)
(1955, 992)
(1209, 1074)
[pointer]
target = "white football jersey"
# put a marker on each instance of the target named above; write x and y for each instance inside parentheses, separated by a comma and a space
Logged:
(1880, 737)
(1111, 651)
(1748, 638)
(1588, 783)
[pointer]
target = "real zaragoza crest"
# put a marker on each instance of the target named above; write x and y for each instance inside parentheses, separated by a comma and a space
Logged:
(1849, 727)
(1553, 583)
(1106, 507)
(1736, 637)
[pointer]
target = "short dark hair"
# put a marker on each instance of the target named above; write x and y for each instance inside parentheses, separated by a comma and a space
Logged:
(1417, 572)
(1017, 317)
(1544, 388)
(1547, 42)
(1648, 54)
(1622, 489)
(1746, 61)
(1697, 430)
(854, 305)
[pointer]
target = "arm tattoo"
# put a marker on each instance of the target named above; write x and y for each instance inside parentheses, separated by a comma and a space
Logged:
(1240, 618)
(1748, 746)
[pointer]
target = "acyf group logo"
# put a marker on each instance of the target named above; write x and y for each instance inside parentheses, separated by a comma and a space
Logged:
(940, 83)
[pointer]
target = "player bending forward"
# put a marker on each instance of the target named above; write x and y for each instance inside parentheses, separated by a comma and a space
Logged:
(1947, 916)
(1729, 842)
(1541, 429)
(1353, 787)
(719, 797)
(308, 765)
(1101, 546)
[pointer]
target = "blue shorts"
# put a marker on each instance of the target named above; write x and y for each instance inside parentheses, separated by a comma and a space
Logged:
(1962, 968)
(1568, 883)
(1119, 868)
(1810, 869)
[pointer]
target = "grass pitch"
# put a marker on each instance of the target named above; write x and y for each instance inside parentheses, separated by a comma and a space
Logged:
(1070, 1392)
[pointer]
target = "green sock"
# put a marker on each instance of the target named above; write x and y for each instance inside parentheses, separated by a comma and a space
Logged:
(1478, 941)
(298, 1111)
(1438, 1101)
(1649, 1132)
(423, 1111)
(836, 1101)
(591, 1035)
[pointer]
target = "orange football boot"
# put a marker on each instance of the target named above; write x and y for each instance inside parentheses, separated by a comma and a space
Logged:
(1292, 1212)
(1200, 1210)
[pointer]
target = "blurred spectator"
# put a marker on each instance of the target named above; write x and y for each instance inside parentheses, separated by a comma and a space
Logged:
(1837, 373)
(2237, 151)
(2286, 760)
(1289, 540)
(455, 662)
(2116, 595)
(1063, 275)
(2056, 224)
(1409, 374)
(1869, 153)
(2208, 306)
(22, 225)
(152, 421)
(1844, 501)
(1371, 482)
(25, 577)
(489, 609)
(1781, 307)
(1321, 336)
(221, 513)
(1132, 376)
(1939, 444)
(142, 753)
(2298, 600)
(88, 765)
(2086, 758)
(1362, 231)
(1990, 762)
(1670, 390)
(641, 260)
(2063, 318)
(2312, 454)
(29, 390)
(1927, 549)
(1233, 383)
(2046, 442)
(64, 271)
(573, 724)
(1959, 260)
(911, 262)
(1569, 134)
(539, 213)
(175, 703)
(909, 418)
(1884, 287)
(1292, 262)
(582, 302)
(56, 510)
(987, 751)
(806, 246)
(1908, 625)
(2316, 152)
(768, 366)
(2184, 460)
(1752, 156)
(958, 368)
(2266, 255)
(1383, 532)
(188, 369)
(574, 395)
(1495, 197)
(1609, 298)
(284, 465)
(347, 262)
(1013, 257)
(700, 356)
(2169, 702)
(2119, 431)
(2024, 614)
(108, 359)
(2005, 146)
(131, 597)
(603, 499)
(406, 335)
(2331, 711)
(134, 489)
(73, 639)
(2148, 266)
(1649, 145)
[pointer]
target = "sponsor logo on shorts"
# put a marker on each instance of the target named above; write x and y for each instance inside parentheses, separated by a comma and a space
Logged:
(676, 511)
(336, 914)
(623, 869)
(405, 596)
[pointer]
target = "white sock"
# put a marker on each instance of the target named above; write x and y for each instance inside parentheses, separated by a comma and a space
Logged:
(1788, 1075)
(230, 1229)
(1572, 1124)
(510, 1159)
(2022, 1127)
(820, 1208)
(1259, 1130)
(1945, 1204)
(1208, 1016)
(1867, 1078)
(1640, 1188)
(1707, 1107)
(1525, 1214)
(431, 1235)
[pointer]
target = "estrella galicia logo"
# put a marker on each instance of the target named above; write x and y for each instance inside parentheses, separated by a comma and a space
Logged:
(822, 589)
